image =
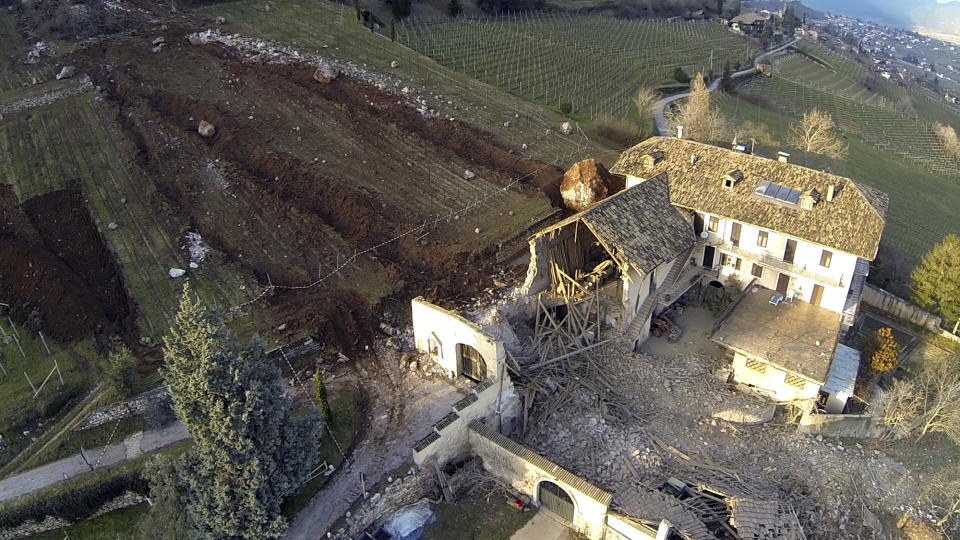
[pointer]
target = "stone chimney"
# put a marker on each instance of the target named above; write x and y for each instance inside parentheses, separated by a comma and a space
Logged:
(679, 132)
(783, 157)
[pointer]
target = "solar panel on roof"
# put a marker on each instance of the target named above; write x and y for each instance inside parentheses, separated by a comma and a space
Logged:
(782, 193)
(772, 190)
(776, 191)
(793, 197)
(761, 187)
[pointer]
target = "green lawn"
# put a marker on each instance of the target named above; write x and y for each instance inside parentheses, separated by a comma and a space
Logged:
(472, 517)
(344, 407)
(119, 524)
(19, 411)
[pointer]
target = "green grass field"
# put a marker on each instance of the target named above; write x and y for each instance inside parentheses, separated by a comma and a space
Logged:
(20, 411)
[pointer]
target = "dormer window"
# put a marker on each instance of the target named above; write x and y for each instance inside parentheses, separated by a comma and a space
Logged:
(732, 178)
(653, 158)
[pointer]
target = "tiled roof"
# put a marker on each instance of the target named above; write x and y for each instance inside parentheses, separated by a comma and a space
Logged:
(755, 519)
(638, 226)
(653, 505)
(598, 494)
(852, 222)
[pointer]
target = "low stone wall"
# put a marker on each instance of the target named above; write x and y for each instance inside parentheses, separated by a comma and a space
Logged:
(145, 402)
(898, 307)
(50, 523)
(385, 499)
(857, 426)
(449, 438)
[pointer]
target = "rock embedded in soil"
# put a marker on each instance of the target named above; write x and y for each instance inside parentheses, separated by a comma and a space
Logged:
(566, 128)
(176, 272)
(66, 72)
(112, 226)
(326, 73)
(586, 183)
(469, 175)
(206, 129)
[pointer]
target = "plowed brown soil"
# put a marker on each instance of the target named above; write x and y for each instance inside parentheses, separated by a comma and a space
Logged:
(302, 175)
(53, 261)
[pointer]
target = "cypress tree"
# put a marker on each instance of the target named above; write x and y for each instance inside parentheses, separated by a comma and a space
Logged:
(936, 282)
(320, 396)
(248, 453)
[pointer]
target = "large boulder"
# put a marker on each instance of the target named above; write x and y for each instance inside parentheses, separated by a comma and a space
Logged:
(587, 183)
(326, 73)
(206, 129)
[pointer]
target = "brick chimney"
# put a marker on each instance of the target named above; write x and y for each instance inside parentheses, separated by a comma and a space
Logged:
(783, 157)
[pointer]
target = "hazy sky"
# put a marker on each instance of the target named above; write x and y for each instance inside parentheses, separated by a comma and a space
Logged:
(896, 12)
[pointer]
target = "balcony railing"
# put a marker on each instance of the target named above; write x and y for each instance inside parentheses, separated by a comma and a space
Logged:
(766, 259)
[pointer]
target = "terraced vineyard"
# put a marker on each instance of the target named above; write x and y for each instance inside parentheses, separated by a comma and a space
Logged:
(328, 29)
(592, 62)
(66, 145)
(921, 202)
(908, 137)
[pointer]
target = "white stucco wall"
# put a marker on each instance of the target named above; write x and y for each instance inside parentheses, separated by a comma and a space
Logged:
(773, 380)
(454, 440)
(807, 255)
(525, 476)
(447, 329)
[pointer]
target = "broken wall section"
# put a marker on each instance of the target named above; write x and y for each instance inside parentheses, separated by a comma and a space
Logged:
(448, 339)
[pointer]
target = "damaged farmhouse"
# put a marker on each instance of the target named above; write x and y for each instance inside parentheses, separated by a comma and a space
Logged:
(672, 220)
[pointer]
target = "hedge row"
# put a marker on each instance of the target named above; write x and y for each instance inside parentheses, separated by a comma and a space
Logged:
(72, 502)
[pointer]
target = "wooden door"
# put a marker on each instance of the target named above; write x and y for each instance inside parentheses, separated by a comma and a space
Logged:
(783, 282)
(708, 255)
(817, 295)
(472, 365)
(555, 499)
(735, 234)
(790, 251)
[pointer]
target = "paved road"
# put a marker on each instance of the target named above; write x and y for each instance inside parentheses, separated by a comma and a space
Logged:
(661, 105)
(130, 448)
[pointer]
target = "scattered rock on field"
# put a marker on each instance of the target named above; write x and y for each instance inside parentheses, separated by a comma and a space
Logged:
(176, 272)
(159, 40)
(220, 21)
(326, 73)
(194, 265)
(206, 129)
(566, 128)
(394, 64)
(113, 226)
(66, 72)
(469, 175)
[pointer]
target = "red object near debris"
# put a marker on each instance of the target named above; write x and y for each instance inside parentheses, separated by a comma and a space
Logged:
(517, 503)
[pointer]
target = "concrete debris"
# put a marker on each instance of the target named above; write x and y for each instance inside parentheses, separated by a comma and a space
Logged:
(206, 129)
(566, 128)
(66, 72)
(176, 272)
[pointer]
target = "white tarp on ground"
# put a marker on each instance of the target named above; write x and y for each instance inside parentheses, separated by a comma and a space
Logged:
(409, 521)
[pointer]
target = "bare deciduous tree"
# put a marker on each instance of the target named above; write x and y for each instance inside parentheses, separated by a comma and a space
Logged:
(948, 139)
(816, 134)
(927, 403)
(645, 100)
(700, 121)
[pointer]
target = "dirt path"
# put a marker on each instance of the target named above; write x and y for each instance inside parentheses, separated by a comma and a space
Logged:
(403, 408)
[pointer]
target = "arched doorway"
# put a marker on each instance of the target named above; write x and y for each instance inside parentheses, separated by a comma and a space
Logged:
(471, 362)
(553, 498)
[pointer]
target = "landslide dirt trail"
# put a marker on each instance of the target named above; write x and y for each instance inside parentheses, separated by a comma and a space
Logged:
(54, 261)
(301, 175)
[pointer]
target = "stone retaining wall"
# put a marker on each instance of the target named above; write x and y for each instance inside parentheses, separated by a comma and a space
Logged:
(385, 499)
(141, 404)
(898, 307)
(857, 426)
